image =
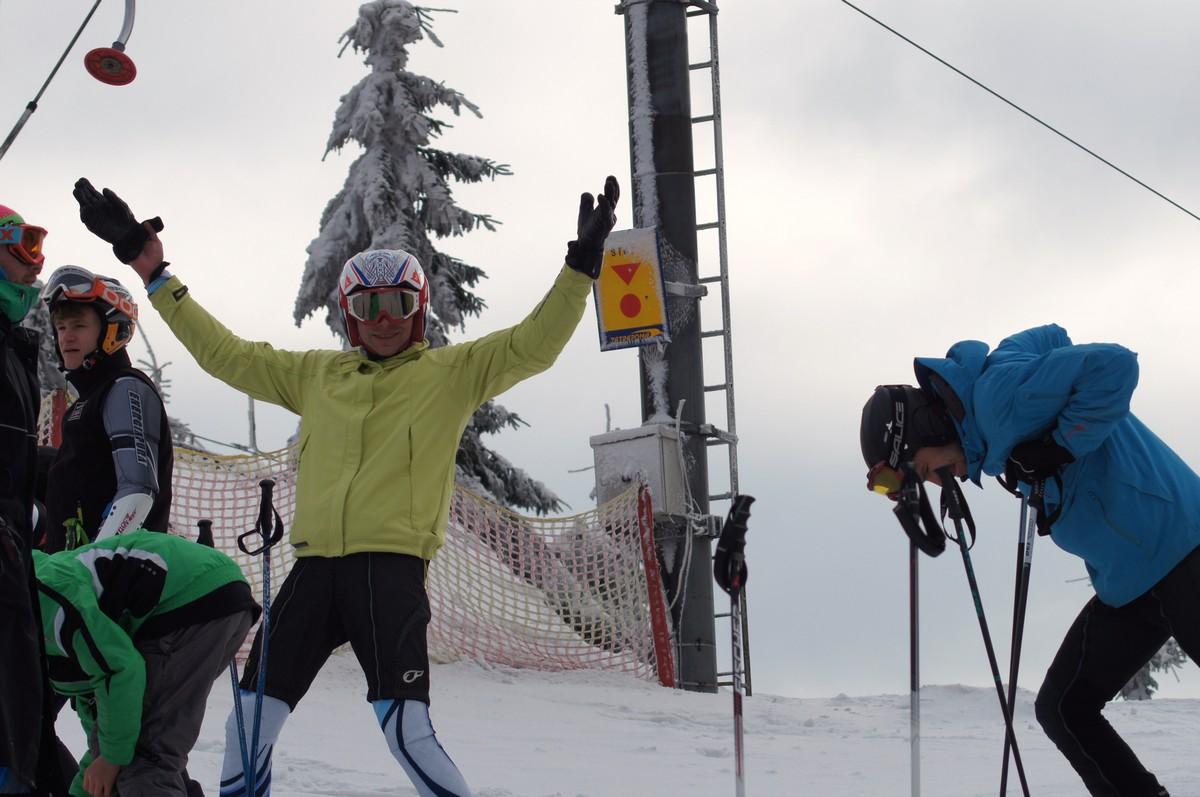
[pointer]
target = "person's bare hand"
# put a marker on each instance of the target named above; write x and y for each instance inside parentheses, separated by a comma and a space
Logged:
(100, 778)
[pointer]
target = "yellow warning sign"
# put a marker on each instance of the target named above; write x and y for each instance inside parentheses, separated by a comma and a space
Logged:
(630, 306)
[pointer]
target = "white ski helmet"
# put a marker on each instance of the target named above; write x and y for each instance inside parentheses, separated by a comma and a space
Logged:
(115, 304)
(387, 282)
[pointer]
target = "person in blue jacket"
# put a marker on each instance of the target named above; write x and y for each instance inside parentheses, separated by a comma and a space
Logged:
(1042, 409)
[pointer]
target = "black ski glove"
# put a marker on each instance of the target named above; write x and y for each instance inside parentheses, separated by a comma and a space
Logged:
(107, 216)
(1035, 460)
(586, 253)
(729, 563)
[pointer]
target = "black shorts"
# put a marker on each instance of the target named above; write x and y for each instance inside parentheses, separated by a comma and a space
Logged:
(374, 601)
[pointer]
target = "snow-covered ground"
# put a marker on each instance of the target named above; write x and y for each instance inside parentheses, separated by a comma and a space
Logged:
(586, 734)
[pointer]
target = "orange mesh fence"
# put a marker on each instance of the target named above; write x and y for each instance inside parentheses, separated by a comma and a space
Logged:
(576, 592)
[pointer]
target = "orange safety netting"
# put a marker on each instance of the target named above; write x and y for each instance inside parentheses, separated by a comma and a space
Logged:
(543, 593)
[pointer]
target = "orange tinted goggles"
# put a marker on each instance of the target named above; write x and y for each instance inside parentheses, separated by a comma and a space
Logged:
(25, 241)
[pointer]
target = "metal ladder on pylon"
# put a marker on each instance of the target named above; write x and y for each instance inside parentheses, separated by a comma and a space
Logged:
(714, 436)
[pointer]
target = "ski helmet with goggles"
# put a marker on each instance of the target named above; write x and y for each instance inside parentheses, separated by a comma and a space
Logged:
(382, 282)
(896, 421)
(23, 240)
(118, 312)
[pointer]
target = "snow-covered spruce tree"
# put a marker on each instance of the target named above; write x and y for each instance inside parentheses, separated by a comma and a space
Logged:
(397, 196)
(1168, 659)
(48, 371)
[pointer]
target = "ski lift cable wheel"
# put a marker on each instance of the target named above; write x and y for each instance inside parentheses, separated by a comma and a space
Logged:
(110, 64)
(107, 64)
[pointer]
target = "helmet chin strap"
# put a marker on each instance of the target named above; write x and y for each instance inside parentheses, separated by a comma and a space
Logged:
(89, 361)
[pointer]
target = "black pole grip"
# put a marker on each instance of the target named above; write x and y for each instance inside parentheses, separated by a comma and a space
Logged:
(729, 562)
(265, 507)
(269, 527)
(205, 534)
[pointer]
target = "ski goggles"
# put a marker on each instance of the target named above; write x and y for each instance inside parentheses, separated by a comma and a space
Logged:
(25, 241)
(396, 303)
(882, 478)
(71, 284)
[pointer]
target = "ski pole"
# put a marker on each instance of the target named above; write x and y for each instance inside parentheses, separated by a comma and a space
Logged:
(729, 570)
(109, 65)
(925, 535)
(914, 666)
(1027, 533)
(205, 537)
(955, 505)
(33, 104)
(269, 529)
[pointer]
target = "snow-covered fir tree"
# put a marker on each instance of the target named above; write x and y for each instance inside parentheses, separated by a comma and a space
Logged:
(51, 376)
(397, 196)
(1169, 659)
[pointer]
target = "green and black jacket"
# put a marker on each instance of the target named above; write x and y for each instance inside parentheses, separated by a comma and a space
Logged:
(99, 600)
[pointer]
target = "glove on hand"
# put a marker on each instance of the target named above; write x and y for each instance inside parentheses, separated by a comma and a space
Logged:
(107, 216)
(1035, 460)
(729, 563)
(586, 253)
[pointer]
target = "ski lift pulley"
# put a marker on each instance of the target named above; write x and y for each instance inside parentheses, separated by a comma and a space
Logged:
(110, 64)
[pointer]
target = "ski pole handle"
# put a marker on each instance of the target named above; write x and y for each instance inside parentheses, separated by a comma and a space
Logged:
(265, 510)
(205, 534)
(729, 562)
(269, 532)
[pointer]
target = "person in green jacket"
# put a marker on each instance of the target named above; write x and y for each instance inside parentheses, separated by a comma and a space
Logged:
(138, 627)
(379, 430)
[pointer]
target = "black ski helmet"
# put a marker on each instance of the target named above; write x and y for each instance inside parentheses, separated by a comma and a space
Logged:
(899, 419)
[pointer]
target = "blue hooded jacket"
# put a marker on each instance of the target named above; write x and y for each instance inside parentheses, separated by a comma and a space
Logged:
(1130, 505)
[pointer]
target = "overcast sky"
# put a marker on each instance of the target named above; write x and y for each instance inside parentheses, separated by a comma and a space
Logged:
(879, 207)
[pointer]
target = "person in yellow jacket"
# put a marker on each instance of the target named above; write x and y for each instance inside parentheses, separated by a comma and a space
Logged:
(379, 429)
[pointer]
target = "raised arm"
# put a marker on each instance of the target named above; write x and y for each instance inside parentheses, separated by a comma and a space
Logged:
(498, 361)
(257, 369)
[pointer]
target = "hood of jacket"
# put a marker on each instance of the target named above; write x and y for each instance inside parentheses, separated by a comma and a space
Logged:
(952, 378)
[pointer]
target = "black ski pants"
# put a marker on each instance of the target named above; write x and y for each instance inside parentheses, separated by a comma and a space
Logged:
(1105, 647)
(375, 601)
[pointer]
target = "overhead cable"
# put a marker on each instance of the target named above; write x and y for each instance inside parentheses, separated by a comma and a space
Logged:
(1012, 104)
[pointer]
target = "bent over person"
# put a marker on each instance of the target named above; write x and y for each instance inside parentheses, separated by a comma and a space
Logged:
(138, 627)
(379, 430)
(1044, 411)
